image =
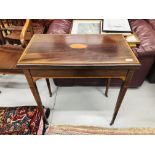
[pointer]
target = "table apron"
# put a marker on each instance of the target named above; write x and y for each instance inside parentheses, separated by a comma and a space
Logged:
(78, 73)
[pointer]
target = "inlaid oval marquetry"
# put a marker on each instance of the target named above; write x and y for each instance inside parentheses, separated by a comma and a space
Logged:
(78, 46)
(128, 60)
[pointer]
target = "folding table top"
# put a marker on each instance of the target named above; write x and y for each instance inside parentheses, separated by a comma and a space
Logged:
(107, 50)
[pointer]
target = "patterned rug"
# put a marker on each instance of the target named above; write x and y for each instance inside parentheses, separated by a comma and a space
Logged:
(20, 121)
(89, 130)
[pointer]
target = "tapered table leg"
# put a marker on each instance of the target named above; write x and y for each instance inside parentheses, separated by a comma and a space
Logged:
(35, 93)
(107, 86)
(49, 86)
(121, 95)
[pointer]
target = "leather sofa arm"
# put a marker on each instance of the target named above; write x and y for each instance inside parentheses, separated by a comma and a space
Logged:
(146, 34)
(60, 26)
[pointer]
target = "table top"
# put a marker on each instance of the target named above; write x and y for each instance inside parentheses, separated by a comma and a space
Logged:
(61, 51)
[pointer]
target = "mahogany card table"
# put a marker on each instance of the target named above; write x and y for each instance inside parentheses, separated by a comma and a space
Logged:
(78, 56)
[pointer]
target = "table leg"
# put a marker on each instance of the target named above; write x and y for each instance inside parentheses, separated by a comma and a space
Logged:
(107, 86)
(121, 95)
(49, 86)
(35, 92)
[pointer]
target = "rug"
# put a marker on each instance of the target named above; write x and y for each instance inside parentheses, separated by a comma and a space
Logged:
(20, 120)
(89, 130)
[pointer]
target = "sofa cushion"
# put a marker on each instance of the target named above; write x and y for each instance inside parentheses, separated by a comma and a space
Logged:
(146, 34)
(60, 26)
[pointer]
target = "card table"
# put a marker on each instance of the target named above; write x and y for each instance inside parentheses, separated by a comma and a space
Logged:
(78, 56)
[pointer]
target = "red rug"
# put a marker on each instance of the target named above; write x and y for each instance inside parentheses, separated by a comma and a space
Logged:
(20, 120)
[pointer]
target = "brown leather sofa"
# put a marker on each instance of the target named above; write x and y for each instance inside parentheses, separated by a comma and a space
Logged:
(145, 52)
(151, 75)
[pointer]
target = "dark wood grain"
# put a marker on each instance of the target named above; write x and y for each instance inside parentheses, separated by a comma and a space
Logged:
(79, 73)
(54, 50)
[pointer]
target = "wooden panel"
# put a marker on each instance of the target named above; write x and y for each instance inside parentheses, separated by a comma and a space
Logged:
(11, 71)
(72, 73)
(55, 50)
(9, 56)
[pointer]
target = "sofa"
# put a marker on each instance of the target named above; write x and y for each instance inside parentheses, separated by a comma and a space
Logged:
(145, 30)
(151, 75)
(60, 26)
(145, 52)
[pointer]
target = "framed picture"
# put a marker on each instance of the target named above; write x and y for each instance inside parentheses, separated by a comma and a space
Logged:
(86, 27)
(116, 25)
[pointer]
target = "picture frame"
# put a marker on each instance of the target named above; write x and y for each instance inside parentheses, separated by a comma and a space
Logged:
(86, 27)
